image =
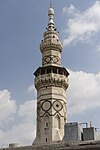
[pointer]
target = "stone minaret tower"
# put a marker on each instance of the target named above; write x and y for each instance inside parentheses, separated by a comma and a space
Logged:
(51, 83)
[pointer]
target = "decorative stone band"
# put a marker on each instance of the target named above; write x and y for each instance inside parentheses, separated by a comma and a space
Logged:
(51, 59)
(50, 114)
(51, 107)
(51, 82)
(51, 45)
(50, 34)
(50, 93)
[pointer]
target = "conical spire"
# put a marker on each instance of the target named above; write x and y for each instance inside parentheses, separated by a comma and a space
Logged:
(51, 16)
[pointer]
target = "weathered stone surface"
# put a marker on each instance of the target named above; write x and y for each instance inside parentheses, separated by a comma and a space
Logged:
(85, 145)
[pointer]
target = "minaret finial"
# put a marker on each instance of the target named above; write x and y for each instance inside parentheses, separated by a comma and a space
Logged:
(50, 3)
(51, 16)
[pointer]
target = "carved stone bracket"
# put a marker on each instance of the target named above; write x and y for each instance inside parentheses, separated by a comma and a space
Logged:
(51, 82)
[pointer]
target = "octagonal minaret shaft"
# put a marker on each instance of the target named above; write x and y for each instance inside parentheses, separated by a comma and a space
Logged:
(51, 83)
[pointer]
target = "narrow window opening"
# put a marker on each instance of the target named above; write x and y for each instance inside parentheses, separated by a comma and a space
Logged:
(54, 70)
(46, 119)
(48, 71)
(46, 140)
(60, 72)
(42, 72)
(46, 124)
(65, 73)
(82, 136)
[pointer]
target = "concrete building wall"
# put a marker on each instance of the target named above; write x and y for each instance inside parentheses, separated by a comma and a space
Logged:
(90, 134)
(73, 132)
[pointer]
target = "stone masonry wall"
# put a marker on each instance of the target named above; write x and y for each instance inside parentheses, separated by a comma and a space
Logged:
(87, 145)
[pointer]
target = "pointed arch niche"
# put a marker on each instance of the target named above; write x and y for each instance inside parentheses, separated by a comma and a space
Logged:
(57, 122)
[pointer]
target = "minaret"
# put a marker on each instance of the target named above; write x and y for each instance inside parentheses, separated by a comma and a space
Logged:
(51, 83)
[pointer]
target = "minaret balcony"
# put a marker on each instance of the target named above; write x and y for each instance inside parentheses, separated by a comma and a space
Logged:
(51, 76)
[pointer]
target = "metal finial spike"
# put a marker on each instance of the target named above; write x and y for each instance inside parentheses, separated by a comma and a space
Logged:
(50, 3)
(90, 124)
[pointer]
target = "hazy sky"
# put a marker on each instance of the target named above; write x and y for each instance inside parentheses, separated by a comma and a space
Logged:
(22, 24)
